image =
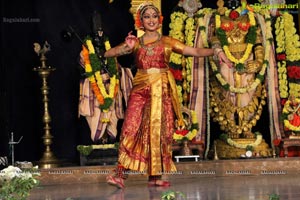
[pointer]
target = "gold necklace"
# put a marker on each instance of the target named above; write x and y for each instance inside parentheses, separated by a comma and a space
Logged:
(149, 48)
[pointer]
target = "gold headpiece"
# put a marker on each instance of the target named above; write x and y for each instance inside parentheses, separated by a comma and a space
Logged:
(222, 9)
(140, 12)
(144, 6)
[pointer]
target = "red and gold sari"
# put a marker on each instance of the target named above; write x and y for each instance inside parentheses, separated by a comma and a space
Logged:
(147, 132)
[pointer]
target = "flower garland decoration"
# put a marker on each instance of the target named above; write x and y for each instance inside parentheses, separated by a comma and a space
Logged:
(258, 80)
(288, 48)
(294, 89)
(281, 57)
(286, 111)
(188, 134)
(179, 22)
(92, 71)
(189, 40)
(201, 25)
(292, 45)
(288, 56)
(176, 31)
(87, 149)
(250, 38)
(233, 143)
(260, 76)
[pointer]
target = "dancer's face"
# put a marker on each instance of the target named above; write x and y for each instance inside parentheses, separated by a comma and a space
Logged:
(150, 20)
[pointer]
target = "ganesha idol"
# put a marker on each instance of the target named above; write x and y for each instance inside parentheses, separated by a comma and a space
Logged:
(239, 94)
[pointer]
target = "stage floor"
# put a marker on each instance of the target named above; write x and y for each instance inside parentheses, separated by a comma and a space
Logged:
(255, 179)
(196, 188)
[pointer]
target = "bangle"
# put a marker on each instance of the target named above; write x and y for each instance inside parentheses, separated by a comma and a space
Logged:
(217, 51)
(124, 49)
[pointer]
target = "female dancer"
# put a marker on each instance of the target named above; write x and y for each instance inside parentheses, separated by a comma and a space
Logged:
(146, 136)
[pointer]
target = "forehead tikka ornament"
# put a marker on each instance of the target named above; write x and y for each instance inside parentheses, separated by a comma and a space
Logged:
(144, 6)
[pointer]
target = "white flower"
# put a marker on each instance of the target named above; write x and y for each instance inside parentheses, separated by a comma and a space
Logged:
(26, 175)
(10, 172)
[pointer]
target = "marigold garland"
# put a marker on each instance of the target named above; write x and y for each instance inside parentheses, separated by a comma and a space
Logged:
(280, 50)
(294, 89)
(240, 145)
(258, 80)
(93, 67)
(287, 49)
(177, 26)
(250, 39)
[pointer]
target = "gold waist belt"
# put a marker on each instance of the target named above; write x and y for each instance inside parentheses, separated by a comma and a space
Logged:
(237, 48)
(153, 70)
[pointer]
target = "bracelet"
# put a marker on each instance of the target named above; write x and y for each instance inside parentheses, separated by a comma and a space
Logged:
(216, 45)
(124, 49)
(217, 51)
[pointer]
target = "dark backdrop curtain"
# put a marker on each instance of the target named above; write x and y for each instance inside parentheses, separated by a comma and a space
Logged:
(21, 99)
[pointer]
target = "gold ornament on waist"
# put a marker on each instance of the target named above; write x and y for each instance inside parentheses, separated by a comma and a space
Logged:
(237, 48)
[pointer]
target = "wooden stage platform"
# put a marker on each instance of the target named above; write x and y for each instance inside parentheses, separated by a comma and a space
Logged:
(202, 168)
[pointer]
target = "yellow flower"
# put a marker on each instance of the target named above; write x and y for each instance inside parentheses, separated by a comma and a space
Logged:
(88, 68)
(294, 89)
(107, 45)
(90, 46)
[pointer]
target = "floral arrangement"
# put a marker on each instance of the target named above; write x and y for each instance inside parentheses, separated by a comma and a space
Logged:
(16, 184)
(250, 38)
(87, 149)
(286, 112)
(251, 146)
(93, 67)
(241, 90)
(187, 134)
(288, 56)
(201, 24)
(177, 26)
(182, 28)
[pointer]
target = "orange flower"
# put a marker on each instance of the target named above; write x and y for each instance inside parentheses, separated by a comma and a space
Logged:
(138, 22)
(227, 26)
(97, 93)
(116, 89)
(85, 54)
(244, 26)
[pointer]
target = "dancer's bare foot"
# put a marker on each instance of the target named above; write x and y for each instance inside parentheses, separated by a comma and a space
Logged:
(115, 181)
